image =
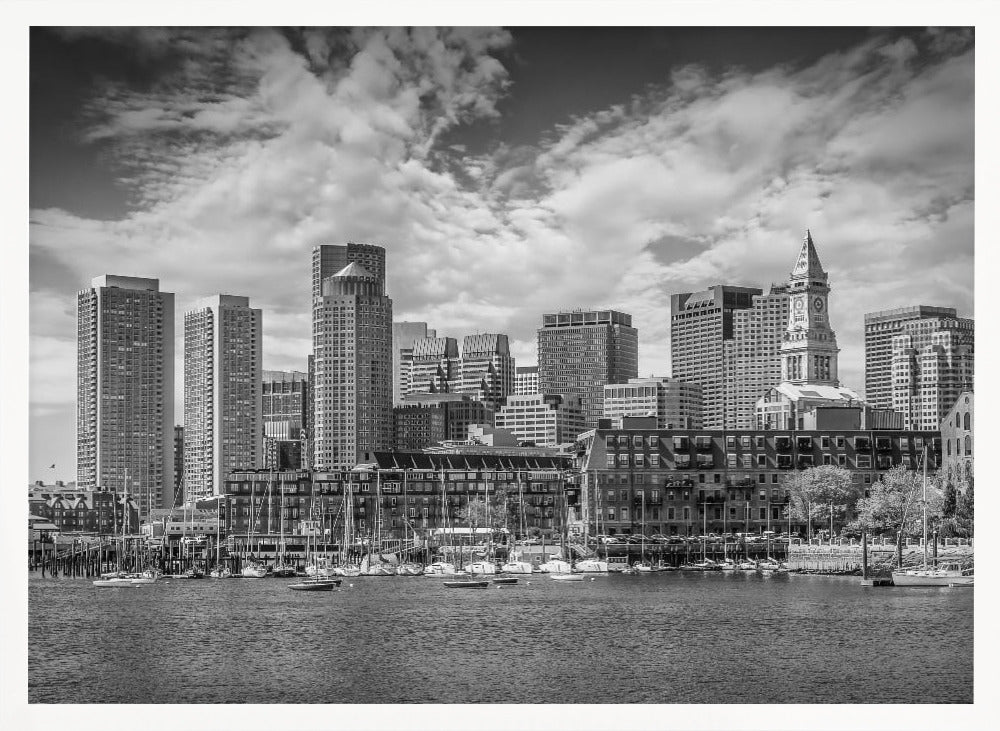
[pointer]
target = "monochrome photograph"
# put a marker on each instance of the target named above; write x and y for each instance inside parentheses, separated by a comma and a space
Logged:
(419, 367)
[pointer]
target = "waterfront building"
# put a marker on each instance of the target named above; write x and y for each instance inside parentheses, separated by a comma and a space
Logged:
(880, 328)
(73, 510)
(525, 380)
(752, 355)
(401, 493)
(417, 425)
(487, 371)
(178, 462)
(932, 363)
(436, 366)
(222, 392)
(404, 335)
(125, 389)
(700, 323)
(545, 420)
(352, 346)
(690, 480)
(956, 433)
(580, 352)
(674, 404)
(808, 351)
(285, 413)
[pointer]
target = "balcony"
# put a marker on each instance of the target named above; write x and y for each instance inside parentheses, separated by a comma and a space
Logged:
(883, 462)
(782, 443)
(804, 444)
(862, 444)
(806, 461)
(706, 462)
(682, 461)
(784, 461)
(883, 444)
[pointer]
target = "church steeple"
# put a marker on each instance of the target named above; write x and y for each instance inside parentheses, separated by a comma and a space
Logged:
(807, 266)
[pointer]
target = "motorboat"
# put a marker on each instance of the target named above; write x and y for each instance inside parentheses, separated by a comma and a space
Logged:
(469, 584)
(504, 579)
(555, 566)
(116, 582)
(315, 584)
(409, 569)
(566, 577)
(253, 571)
(146, 577)
(929, 576)
(220, 573)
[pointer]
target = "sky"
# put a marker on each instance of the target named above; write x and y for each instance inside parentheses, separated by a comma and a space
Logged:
(507, 172)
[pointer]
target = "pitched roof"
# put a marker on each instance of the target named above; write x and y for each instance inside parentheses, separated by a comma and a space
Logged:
(808, 265)
(354, 270)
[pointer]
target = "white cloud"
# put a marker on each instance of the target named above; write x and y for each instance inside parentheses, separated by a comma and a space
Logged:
(253, 153)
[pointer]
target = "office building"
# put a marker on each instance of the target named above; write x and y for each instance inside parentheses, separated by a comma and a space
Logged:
(525, 380)
(285, 414)
(222, 392)
(487, 372)
(752, 355)
(932, 363)
(674, 404)
(404, 335)
(418, 426)
(580, 352)
(700, 323)
(460, 409)
(436, 366)
(352, 348)
(880, 329)
(125, 389)
(544, 420)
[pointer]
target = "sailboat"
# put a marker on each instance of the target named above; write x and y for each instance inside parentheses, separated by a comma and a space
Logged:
(927, 575)
(253, 569)
(119, 578)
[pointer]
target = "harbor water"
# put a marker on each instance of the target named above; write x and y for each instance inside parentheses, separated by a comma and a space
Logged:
(674, 637)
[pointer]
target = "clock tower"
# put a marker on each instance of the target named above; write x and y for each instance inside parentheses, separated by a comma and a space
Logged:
(809, 347)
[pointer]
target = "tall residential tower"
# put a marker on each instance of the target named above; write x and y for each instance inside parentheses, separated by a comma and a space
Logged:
(125, 389)
(222, 392)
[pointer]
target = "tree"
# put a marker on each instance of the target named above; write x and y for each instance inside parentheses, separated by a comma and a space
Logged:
(949, 503)
(894, 505)
(817, 491)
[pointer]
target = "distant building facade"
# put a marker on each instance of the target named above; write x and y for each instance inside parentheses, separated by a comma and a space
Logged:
(285, 407)
(404, 335)
(545, 420)
(700, 324)
(418, 426)
(932, 363)
(752, 355)
(222, 392)
(525, 380)
(125, 389)
(880, 329)
(73, 510)
(674, 404)
(487, 372)
(580, 352)
(436, 366)
(178, 464)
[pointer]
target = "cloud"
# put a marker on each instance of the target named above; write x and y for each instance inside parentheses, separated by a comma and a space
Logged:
(260, 145)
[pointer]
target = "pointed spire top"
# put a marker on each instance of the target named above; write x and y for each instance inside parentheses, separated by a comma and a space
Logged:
(808, 266)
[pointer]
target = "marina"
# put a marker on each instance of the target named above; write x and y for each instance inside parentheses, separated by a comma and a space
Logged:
(635, 639)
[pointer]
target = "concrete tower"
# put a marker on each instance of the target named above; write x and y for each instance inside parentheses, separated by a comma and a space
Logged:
(809, 348)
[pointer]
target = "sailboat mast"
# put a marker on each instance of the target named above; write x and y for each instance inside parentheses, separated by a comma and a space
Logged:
(925, 506)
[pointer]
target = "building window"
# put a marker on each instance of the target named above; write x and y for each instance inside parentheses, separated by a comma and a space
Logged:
(623, 460)
(824, 442)
(967, 421)
(968, 446)
(762, 478)
(840, 442)
(841, 460)
(762, 460)
(864, 461)
(654, 460)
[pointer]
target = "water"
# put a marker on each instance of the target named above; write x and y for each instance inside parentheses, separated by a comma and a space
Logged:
(663, 638)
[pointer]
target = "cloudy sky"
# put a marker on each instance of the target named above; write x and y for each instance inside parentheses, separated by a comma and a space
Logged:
(507, 172)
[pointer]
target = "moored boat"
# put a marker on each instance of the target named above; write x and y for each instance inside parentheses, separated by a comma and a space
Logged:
(517, 567)
(439, 569)
(466, 584)
(117, 582)
(936, 576)
(482, 567)
(253, 570)
(505, 580)
(566, 577)
(315, 585)
(591, 566)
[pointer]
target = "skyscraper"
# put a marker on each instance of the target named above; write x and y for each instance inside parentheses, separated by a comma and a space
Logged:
(753, 355)
(580, 352)
(352, 347)
(222, 392)
(125, 389)
(328, 259)
(700, 323)
(932, 363)
(487, 368)
(404, 335)
(880, 328)
(436, 366)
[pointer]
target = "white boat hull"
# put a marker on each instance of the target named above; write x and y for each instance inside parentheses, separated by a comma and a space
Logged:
(920, 577)
(591, 566)
(566, 577)
(482, 567)
(517, 567)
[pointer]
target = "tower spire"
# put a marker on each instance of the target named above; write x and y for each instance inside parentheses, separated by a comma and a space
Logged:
(808, 266)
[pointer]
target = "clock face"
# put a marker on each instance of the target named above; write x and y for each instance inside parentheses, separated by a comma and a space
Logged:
(818, 304)
(799, 303)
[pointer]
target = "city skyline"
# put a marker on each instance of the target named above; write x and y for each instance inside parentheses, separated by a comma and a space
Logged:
(501, 187)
